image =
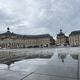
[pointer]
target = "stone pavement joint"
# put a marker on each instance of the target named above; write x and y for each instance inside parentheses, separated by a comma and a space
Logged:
(26, 76)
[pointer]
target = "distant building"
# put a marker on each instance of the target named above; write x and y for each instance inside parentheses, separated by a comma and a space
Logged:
(12, 40)
(62, 39)
(74, 38)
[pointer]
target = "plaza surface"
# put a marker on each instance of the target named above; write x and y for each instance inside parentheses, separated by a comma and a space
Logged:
(63, 65)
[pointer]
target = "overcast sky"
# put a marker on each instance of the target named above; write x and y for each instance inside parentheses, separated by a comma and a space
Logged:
(40, 16)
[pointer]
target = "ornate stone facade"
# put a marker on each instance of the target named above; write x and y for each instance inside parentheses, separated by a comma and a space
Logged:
(12, 40)
(74, 38)
(62, 39)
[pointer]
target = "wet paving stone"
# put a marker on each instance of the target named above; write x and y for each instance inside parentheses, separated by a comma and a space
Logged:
(12, 75)
(63, 65)
(46, 77)
(79, 67)
(57, 67)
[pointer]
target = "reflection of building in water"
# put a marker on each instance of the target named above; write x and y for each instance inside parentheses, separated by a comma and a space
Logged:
(8, 58)
(62, 56)
(74, 38)
(12, 40)
(74, 56)
(62, 39)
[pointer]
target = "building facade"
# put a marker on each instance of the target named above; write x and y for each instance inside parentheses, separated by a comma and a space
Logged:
(62, 39)
(74, 38)
(12, 40)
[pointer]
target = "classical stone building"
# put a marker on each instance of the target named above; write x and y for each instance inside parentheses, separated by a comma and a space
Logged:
(12, 40)
(62, 39)
(74, 38)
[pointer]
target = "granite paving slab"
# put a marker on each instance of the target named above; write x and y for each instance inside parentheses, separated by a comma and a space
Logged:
(79, 67)
(12, 75)
(55, 67)
(45, 77)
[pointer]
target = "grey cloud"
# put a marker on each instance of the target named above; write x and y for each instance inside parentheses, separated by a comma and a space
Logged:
(41, 16)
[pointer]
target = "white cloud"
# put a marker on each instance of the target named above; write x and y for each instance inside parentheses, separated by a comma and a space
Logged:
(40, 16)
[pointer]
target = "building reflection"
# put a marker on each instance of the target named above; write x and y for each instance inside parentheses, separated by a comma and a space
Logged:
(75, 56)
(62, 56)
(9, 63)
(7, 57)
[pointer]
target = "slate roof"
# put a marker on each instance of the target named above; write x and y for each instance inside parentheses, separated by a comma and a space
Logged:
(75, 32)
(8, 33)
(37, 36)
(60, 33)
